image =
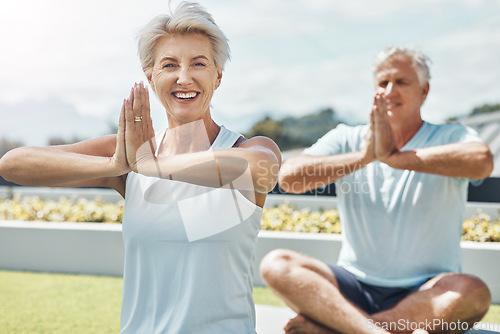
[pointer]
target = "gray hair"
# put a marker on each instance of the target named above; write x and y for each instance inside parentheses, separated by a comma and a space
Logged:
(419, 60)
(188, 18)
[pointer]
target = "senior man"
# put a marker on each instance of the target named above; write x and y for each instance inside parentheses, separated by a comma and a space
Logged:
(402, 186)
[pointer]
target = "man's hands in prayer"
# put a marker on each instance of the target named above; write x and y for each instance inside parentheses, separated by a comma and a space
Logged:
(380, 142)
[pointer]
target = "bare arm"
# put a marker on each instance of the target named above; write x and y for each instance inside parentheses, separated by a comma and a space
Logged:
(257, 159)
(255, 163)
(56, 166)
(468, 160)
(306, 172)
(472, 160)
(89, 163)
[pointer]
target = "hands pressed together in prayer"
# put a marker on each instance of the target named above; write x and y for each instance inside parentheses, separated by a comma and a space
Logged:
(380, 141)
(135, 140)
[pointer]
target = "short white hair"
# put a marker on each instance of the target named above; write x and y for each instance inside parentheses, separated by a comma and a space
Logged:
(188, 18)
(419, 60)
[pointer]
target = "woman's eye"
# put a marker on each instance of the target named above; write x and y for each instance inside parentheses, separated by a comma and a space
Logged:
(199, 64)
(168, 65)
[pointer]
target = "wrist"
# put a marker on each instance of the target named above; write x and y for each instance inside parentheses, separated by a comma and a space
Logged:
(116, 168)
(365, 158)
(393, 159)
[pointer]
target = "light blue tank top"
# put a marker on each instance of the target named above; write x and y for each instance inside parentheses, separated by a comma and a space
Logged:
(188, 259)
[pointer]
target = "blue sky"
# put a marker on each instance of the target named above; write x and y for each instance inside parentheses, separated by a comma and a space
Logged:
(289, 57)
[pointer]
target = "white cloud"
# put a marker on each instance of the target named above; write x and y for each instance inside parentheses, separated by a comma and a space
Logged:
(300, 89)
(465, 69)
(289, 56)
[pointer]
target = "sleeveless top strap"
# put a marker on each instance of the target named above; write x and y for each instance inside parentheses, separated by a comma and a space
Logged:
(225, 139)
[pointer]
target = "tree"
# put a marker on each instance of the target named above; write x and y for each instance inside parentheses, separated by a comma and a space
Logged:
(482, 109)
(296, 132)
(485, 108)
(273, 129)
(307, 129)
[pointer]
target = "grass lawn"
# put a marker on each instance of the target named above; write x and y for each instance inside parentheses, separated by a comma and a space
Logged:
(37, 303)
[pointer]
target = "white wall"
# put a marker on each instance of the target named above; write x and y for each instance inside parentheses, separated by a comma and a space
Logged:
(97, 249)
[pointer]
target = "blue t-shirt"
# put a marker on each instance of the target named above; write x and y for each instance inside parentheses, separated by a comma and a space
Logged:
(399, 227)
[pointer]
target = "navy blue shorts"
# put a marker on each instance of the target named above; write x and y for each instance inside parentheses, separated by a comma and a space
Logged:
(369, 298)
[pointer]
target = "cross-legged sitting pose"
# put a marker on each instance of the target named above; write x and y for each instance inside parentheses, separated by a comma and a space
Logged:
(402, 186)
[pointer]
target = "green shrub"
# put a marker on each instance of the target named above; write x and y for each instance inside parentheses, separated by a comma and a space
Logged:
(280, 218)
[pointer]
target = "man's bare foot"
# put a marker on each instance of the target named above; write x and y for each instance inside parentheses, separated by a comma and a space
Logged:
(302, 325)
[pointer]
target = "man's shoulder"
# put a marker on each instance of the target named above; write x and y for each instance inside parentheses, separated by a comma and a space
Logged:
(452, 126)
(450, 132)
(340, 139)
(346, 129)
(352, 135)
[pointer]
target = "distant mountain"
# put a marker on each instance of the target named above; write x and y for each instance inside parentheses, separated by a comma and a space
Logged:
(307, 129)
(33, 122)
(295, 132)
(242, 123)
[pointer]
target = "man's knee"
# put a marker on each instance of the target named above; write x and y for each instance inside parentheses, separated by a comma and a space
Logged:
(474, 293)
(277, 264)
(478, 294)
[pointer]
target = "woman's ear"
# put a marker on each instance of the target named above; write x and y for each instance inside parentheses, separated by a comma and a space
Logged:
(149, 76)
(219, 78)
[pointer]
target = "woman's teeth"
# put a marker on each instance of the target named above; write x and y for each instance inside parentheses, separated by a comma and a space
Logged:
(185, 96)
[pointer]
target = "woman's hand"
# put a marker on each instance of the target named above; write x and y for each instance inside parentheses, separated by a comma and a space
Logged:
(119, 159)
(140, 144)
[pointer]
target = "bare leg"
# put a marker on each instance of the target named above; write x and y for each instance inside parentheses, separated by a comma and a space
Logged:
(302, 325)
(449, 302)
(309, 287)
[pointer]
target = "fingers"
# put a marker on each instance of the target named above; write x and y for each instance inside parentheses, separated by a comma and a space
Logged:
(131, 96)
(138, 125)
(379, 113)
(379, 103)
(129, 113)
(121, 121)
(149, 121)
(120, 137)
(148, 109)
(141, 109)
(145, 109)
(137, 111)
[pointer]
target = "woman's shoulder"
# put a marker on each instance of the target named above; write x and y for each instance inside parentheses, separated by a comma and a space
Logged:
(255, 141)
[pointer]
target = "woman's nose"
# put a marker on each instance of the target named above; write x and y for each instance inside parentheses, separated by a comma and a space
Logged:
(184, 78)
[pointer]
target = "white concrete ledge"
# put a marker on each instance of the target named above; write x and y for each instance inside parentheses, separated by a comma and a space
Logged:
(80, 248)
(97, 249)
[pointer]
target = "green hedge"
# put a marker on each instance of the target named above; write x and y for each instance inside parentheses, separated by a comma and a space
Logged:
(280, 218)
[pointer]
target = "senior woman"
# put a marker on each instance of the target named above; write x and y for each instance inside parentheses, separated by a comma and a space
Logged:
(193, 193)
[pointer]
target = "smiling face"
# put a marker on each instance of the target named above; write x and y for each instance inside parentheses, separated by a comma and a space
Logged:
(397, 79)
(184, 77)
